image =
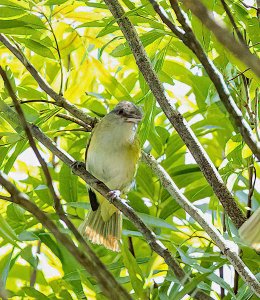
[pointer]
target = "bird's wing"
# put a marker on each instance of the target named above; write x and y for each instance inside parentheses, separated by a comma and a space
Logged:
(92, 195)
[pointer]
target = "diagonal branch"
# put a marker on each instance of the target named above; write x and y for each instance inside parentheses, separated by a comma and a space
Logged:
(150, 236)
(167, 182)
(147, 233)
(59, 99)
(74, 120)
(232, 21)
(57, 203)
(210, 229)
(107, 282)
(224, 36)
(128, 211)
(176, 119)
(216, 77)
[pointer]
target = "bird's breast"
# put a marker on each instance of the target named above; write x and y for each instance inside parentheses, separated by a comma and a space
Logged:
(113, 160)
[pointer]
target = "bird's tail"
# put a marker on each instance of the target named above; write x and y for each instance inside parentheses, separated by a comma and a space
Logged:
(103, 233)
(250, 230)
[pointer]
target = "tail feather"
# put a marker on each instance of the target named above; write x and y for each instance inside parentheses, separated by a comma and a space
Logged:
(103, 233)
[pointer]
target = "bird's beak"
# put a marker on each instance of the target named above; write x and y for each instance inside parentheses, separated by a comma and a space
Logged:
(134, 119)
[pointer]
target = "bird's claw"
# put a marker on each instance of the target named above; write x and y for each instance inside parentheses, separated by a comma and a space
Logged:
(77, 165)
(114, 194)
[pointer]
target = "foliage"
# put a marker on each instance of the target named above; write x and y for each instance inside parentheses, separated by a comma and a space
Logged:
(98, 70)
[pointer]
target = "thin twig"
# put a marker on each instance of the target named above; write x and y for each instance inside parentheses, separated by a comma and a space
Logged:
(239, 74)
(248, 6)
(6, 198)
(131, 246)
(221, 275)
(217, 79)
(58, 51)
(232, 21)
(210, 229)
(176, 119)
(34, 273)
(59, 99)
(35, 101)
(224, 36)
(243, 41)
(251, 188)
(74, 120)
(256, 119)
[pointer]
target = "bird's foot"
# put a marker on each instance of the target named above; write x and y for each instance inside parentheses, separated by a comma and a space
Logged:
(114, 194)
(77, 165)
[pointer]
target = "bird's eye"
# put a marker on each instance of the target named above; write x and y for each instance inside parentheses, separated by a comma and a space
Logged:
(120, 112)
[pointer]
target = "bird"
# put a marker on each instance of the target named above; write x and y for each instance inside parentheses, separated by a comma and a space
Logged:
(250, 231)
(112, 157)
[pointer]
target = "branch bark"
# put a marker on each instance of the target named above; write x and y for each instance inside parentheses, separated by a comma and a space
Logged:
(210, 229)
(167, 182)
(147, 233)
(107, 282)
(224, 36)
(216, 77)
(57, 204)
(59, 99)
(176, 119)
(79, 170)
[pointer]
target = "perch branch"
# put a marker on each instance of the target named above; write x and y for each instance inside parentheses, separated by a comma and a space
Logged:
(57, 203)
(176, 119)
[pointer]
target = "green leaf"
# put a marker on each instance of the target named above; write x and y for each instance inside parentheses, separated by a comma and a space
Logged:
(135, 273)
(68, 184)
(190, 286)
(6, 268)
(156, 222)
(55, 2)
(7, 233)
(37, 47)
(32, 292)
(27, 255)
(19, 148)
(146, 39)
(84, 205)
(9, 13)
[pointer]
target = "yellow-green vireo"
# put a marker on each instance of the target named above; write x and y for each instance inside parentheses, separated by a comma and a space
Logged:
(112, 155)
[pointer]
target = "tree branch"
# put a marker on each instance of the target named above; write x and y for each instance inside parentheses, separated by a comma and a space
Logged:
(74, 120)
(128, 211)
(216, 77)
(59, 99)
(34, 272)
(150, 237)
(210, 229)
(56, 199)
(147, 233)
(224, 36)
(176, 119)
(107, 282)
(232, 21)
